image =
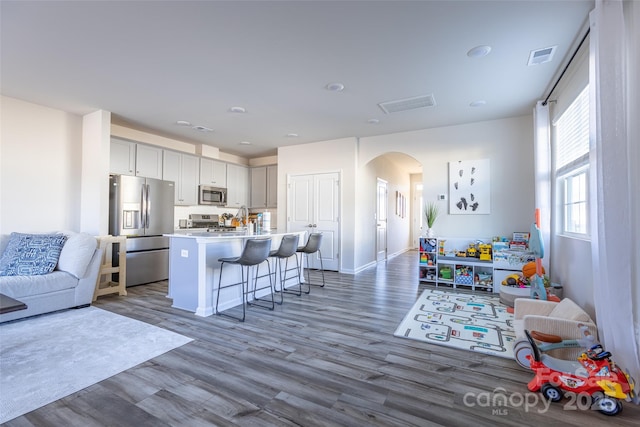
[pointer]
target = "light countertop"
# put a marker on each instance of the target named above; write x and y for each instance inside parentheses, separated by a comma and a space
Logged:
(232, 234)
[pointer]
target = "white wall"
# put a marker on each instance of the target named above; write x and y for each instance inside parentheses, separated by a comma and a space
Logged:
(328, 156)
(40, 169)
(416, 230)
(263, 161)
(159, 141)
(507, 143)
(96, 146)
(571, 267)
(48, 157)
(398, 228)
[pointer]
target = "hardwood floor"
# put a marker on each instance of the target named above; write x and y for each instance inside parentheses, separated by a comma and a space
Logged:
(324, 359)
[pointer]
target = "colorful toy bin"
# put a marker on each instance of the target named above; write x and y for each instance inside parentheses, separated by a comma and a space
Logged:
(463, 276)
(445, 273)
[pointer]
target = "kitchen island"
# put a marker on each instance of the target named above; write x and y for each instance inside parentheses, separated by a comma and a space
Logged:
(194, 269)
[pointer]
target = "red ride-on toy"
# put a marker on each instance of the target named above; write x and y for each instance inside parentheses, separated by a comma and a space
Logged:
(593, 374)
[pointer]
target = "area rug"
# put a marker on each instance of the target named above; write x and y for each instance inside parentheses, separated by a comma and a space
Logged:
(475, 322)
(45, 358)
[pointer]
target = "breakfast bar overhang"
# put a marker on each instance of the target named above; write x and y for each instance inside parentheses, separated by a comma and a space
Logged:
(194, 268)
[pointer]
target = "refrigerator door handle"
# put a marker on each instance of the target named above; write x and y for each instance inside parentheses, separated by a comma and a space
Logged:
(143, 206)
(148, 207)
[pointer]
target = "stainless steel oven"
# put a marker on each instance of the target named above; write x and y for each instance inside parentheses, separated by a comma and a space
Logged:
(215, 196)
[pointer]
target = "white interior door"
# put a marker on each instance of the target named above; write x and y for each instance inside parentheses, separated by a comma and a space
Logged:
(381, 220)
(313, 206)
(300, 201)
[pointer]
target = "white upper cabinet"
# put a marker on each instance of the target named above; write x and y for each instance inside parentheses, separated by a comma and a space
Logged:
(213, 172)
(237, 186)
(264, 186)
(123, 157)
(130, 158)
(184, 171)
(272, 186)
(259, 187)
(148, 161)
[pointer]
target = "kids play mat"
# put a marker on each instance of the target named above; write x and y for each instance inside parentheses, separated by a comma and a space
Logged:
(472, 322)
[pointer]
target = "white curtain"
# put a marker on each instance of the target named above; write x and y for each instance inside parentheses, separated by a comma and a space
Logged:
(542, 166)
(613, 230)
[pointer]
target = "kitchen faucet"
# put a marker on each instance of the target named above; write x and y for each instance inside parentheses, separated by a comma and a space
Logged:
(246, 215)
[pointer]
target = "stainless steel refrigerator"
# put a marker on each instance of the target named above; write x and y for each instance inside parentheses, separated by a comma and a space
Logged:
(142, 210)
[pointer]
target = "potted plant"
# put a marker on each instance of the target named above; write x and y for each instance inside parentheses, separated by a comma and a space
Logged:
(431, 211)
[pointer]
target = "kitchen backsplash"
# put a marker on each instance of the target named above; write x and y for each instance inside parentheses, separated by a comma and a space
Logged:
(183, 212)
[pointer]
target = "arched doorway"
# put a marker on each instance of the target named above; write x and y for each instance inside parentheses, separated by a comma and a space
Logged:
(400, 172)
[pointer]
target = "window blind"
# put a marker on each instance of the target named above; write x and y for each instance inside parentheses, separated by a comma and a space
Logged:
(572, 134)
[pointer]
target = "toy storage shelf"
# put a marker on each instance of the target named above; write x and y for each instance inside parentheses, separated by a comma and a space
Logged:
(465, 273)
(452, 271)
(427, 269)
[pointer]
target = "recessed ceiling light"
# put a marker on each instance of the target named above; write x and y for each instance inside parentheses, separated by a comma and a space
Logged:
(373, 121)
(183, 123)
(237, 110)
(478, 103)
(202, 129)
(479, 51)
(292, 135)
(335, 87)
(245, 143)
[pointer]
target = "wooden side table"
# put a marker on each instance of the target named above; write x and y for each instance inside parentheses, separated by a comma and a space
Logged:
(105, 285)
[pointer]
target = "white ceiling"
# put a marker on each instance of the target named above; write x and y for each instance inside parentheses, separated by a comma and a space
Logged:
(152, 63)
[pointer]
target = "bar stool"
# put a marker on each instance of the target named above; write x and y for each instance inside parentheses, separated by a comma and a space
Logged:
(287, 249)
(313, 246)
(255, 252)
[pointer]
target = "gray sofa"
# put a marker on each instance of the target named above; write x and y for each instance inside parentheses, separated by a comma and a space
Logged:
(71, 284)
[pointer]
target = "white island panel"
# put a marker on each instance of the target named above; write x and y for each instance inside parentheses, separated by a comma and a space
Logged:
(194, 269)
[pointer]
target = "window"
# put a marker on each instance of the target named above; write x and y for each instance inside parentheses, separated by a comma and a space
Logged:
(572, 165)
(575, 202)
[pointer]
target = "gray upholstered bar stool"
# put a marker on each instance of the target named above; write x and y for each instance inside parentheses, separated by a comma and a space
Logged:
(255, 252)
(287, 249)
(313, 246)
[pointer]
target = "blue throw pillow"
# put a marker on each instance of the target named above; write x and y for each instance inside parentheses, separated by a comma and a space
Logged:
(31, 254)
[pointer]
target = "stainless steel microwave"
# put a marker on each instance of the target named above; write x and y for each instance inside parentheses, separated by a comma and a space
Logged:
(215, 196)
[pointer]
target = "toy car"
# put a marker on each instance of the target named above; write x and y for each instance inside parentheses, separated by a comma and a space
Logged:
(546, 342)
(593, 374)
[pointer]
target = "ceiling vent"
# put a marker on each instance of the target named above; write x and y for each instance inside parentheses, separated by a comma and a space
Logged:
(408, 104)
(541, 56)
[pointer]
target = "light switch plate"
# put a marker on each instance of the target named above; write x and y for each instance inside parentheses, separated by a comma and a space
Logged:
(184, 253)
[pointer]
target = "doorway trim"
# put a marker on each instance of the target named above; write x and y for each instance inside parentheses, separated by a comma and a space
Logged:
(334, 263)
(382, 218)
